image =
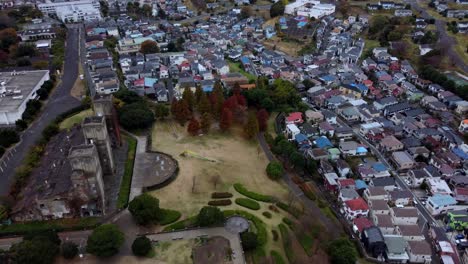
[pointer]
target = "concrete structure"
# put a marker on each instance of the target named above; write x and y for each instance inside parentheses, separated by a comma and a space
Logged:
(75, 13)
(50, 8)
(95, 132)
(16, 89)
(396, 249)
(309, 8)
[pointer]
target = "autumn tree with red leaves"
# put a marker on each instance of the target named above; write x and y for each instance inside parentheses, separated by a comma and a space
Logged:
(181, 112)
(226, 120)
(193, 127)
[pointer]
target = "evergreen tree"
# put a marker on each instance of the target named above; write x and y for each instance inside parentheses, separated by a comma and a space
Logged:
(262, 118)
(188, 97)
(251, 127)
(198, 94)
(182, 112)
(206, 122)
(204, 106)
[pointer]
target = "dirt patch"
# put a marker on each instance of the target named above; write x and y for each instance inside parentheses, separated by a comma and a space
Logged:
(179, 252)
(215, 251)
(289, 47)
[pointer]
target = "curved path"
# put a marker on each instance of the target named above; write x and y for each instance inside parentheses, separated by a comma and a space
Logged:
(60, 101)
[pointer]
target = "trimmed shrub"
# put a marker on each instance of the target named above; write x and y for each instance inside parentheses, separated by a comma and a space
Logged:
(251, 204)
(141, 246)
(273, 208)
(267, 214)
(277, 258)
(253, 195)
(221, 195)
(69, 250)
(275, 170)
(275, 235)
(222, 202)
(288, 222)
(249, 240)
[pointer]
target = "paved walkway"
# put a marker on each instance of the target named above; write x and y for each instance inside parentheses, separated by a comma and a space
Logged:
(234, 239)
(138, 177)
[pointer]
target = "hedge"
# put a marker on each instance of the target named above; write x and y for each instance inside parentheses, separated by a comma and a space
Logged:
(253, 195)
(259, 224)
(125, 185)
(267, 214)
(292, 210)
(221, 195)
(286, 243)
(245, 202)
(275, 234)
(307, 242)
(288, 222)
(169, 216)
(223, 202)
(182, 224)
(59, 225)
(277, 258)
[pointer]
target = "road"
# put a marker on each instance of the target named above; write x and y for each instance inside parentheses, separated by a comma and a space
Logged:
(59, 102)
(333, 228)
(446, 41)
(234, 239)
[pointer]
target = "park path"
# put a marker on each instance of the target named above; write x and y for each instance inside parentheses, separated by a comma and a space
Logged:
(333, 228)
(234, 239)
(138, 177)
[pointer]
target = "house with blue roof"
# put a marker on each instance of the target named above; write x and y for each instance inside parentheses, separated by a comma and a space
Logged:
(302, 141)
(149, 82)
(207, 85)
(327, 79)
(360, 184)
(323, 142)
(440, 203)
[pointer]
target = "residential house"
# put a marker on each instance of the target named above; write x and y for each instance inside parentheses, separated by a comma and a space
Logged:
(404, 216)
(329, 116)
(343, 168)
(438, 186)
(345, 132)
(410, 232)
(330, 181)
(355, 208)
(390, 144)
(378, 207)
(373, 241)
(323, 142)
(359, 224)
(388, 183)
(401, 197)
(317, 154)
(396, 249)
(352, 148)
(461, 194)
(403, 160)
(419, 252)
(385, 223)
(292, 130)
(294, 118)
(417, 177)
(347, 194)
(375, 193)
(440, 203)
(313, 116)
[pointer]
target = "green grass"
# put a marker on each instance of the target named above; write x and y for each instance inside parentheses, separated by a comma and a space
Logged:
(287, 243)
(236, 67)
(290, 209)
(75, 119)
(288, 222)
(65, 224)
(253, 195)
(247, 203)
(124, 193)
(182, 224)
(277, 258)
(169, 216)
(306, 242)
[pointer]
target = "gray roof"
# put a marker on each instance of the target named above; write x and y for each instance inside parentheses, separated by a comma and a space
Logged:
(373, 234)
(384, 181)
(395, 244)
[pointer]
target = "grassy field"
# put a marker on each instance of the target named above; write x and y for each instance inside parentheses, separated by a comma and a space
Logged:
(461, 46)
(175, 251)
(236, 67)
(289, 47)
(75, 119)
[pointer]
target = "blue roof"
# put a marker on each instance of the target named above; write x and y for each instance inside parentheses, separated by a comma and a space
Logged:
(360, 184)
(379, 167)
(323, 142)
(328, 78)
(149, 82)
(300, 137)
(301, 24)
(245, 60)
(282, 20)
(460, 153)
(442, 200)
(381, 73)
(361, 150)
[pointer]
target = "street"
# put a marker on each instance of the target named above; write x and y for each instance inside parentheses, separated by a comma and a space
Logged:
(60, 101)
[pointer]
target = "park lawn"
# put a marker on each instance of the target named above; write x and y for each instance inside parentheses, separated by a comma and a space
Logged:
(291, 48)
(369, 45)
(236, 67)
(461, 46)
(239, 161)
(175, 251)
(75, 119)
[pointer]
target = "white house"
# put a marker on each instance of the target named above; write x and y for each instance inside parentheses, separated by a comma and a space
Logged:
(309, 8)
(354, 208)
(404, 216)
(292, 130)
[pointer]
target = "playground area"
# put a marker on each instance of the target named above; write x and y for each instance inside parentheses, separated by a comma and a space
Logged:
(210, 163)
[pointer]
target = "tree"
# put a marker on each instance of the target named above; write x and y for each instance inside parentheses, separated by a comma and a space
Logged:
(226, 120)
(246, 12)
(275, 170)
(69, 250)
(8, 37)
(42, 93)
(198, 95)
(37, 250)
(188, 98)
(251, 127)
(297, 159)
(141, 246)
(342, 251)
(171, 47)
(262, 118)
(210, 215)
(205, 123)
(149, 46)
(136, 116)
(146, 9)
(48, 235)
(193, 127)
(161, 111)
(249, 240)
(128, 96)
(204, 106)
(181, 112)
(145, 209)
(8, 137)
(277, 9)
(105, 241)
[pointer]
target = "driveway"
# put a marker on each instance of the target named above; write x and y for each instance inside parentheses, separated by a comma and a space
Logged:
(234, 239)
(59, 102)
